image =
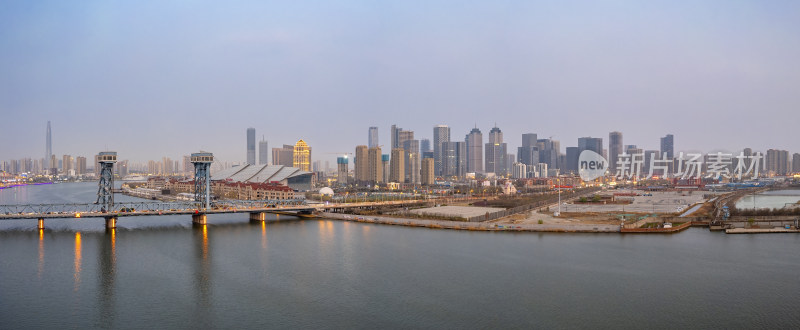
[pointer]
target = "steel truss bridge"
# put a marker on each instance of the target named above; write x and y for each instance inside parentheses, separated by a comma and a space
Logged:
(105, 207)
(89, 210)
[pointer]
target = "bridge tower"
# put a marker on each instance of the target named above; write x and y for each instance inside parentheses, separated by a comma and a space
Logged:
(202, 178)
(105, 189)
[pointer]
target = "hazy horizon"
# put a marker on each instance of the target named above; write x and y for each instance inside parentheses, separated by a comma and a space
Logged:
(174, 78)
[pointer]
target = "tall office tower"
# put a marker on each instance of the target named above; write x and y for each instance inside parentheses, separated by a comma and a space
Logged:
(549, 152)
(48, 153)
(454, 159)
(474, 151)
(777, 162)
(80, 165)
(372, 139)
(427, 177)
(528, 153)
(668, 146)
(796, 163)
(529, 139)
(424, 146)
(412, 159)
(590, 143)
(397, 166)
(385, 163)
(341, 170)
(571, 166)
(362, 165)
(496, 153)
(263, 152)
(394, 136)
(374, 165)
(301, 157)
(614, 150)
(251, 146)
(648, 163)
(441, 134)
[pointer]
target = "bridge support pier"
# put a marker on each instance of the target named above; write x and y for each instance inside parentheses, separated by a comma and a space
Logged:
(258, 216)
(199, 219)
(41, 223)
(111, 222)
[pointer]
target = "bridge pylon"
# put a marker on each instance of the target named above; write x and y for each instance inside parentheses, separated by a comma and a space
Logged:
(202, 178)
(105, 187)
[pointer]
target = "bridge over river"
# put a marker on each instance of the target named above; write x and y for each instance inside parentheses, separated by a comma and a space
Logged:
(202, 205)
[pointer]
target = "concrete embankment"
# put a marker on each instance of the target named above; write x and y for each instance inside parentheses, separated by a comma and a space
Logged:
(760, 230)
(480, 226)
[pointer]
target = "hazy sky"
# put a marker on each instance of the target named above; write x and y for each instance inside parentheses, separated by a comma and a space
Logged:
(165, 78)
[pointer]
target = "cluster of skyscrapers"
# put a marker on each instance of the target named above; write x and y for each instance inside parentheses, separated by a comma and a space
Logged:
(409, 160)
(297, 155)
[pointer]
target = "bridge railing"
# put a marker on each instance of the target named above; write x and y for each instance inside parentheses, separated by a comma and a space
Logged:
(149, 206)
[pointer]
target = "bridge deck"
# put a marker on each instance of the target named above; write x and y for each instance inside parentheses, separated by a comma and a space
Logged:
(53, 211)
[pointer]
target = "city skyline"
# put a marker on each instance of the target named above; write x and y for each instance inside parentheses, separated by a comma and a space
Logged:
(598, 142)
(305, 72)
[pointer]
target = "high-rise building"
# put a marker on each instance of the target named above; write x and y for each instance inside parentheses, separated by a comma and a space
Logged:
(397, 165)
(80, 165)
(474, 151)
(48, 149)
(372, 139)
(549, 152)
(263, 152)
(394, 137)
(590, 143)
(424, 146)
(668, 146)
(251, 146)
(302, 156)
(362, 165)
(283, 156)
(404, 136)
(374, 165)
(441, 134)
(648, 162)
(412, 159)
(796, 163)
(66, 164)
(528, 153)
(454, 159)
(777, 162)
(341, 170)
(614, 150)
(496, 153)
(520, 171)
(427, 177)
(571, 166)
(385, 163)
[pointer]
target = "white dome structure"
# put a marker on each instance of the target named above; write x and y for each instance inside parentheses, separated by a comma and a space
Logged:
(326, 191)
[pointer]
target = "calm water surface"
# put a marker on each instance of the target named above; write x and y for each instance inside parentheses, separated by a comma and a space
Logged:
(163, 272)
(772, 199)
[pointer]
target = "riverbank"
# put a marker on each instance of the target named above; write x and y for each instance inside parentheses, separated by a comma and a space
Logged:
(475, 226)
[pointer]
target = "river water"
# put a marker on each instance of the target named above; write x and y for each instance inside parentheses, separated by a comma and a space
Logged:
(771, 199)
(163, 272)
